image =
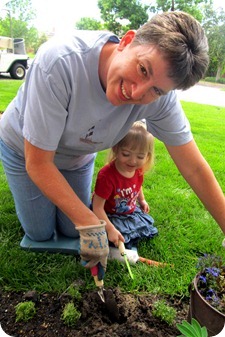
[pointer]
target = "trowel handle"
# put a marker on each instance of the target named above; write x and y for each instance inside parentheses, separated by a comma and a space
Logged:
(94, 273)
(121, 248)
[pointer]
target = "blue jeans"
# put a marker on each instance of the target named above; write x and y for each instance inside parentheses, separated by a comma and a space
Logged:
(38, 216)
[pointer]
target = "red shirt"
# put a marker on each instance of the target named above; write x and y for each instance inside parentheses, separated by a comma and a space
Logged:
(119, 192)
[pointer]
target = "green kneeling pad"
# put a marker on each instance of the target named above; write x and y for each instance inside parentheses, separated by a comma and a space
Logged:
(59, 243)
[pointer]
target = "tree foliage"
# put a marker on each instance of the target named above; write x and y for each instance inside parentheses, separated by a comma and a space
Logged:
(193, 7)
(216, 37)
(116, 12)
(88, 24)
(21, 10)
(18, 22)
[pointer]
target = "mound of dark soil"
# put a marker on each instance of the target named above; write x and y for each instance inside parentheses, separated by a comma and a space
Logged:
(133, 317)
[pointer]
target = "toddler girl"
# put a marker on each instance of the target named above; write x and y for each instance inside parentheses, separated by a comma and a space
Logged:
(118, 189)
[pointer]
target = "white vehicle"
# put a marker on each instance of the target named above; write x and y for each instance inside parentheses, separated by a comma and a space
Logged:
(13, 58)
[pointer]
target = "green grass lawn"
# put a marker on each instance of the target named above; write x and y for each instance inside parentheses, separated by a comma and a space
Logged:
(186, 230)
(8, 88)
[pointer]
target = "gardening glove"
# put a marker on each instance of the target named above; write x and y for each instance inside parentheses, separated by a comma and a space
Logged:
(94, 247)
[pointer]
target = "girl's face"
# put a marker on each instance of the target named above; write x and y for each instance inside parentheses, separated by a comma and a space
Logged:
(128, 160)
(136, 74)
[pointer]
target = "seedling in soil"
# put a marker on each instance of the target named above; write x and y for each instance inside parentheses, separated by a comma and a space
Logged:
(164, 312)
(70, 315)
(76, 295)
(25, 311)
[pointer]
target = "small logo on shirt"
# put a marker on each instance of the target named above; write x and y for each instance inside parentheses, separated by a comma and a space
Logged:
(87, 138)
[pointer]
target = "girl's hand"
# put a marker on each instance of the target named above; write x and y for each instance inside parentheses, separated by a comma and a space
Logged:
(144, 206)
(114, 236)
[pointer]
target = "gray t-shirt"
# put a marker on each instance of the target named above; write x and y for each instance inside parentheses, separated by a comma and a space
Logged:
(62, 106)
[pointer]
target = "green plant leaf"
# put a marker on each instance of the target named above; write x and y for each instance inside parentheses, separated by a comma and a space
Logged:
(204, 332)
(192, 329)
(197, 327)
(186, 329)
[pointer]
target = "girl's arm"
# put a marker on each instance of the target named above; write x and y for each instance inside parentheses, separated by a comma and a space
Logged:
(142, 202)
(98, 208)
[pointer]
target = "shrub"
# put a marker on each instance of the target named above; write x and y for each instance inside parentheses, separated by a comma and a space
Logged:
(213, 80)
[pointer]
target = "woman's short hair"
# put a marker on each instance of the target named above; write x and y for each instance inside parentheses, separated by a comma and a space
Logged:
(183, 43)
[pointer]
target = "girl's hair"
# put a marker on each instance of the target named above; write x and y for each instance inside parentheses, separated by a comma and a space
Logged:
(137, 138)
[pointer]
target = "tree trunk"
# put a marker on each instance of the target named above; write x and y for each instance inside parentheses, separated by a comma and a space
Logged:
(172, 6)
(218, 74)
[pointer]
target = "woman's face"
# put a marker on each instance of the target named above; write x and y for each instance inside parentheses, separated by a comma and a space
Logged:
(136, 75)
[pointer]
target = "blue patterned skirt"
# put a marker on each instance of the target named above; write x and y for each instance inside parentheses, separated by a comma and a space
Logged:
(134, 227)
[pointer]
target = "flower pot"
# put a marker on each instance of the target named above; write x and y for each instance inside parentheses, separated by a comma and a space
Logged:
(203, 312)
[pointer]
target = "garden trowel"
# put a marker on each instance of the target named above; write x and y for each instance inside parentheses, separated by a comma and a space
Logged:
(106, 296)
(99, 283)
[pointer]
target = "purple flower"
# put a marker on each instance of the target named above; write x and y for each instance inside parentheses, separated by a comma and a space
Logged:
(211, 283)
(210, 293)
(203, 279)
(213, 271)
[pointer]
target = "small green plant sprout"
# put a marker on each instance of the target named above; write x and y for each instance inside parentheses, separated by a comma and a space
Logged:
(74, 292)
(25, 311)
(164, 312)
(70, 315)
(192, 329)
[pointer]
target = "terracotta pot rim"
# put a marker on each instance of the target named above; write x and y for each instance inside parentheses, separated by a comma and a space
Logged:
(195, 282)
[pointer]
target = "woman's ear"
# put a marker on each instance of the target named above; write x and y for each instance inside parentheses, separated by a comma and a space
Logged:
(126, 39)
